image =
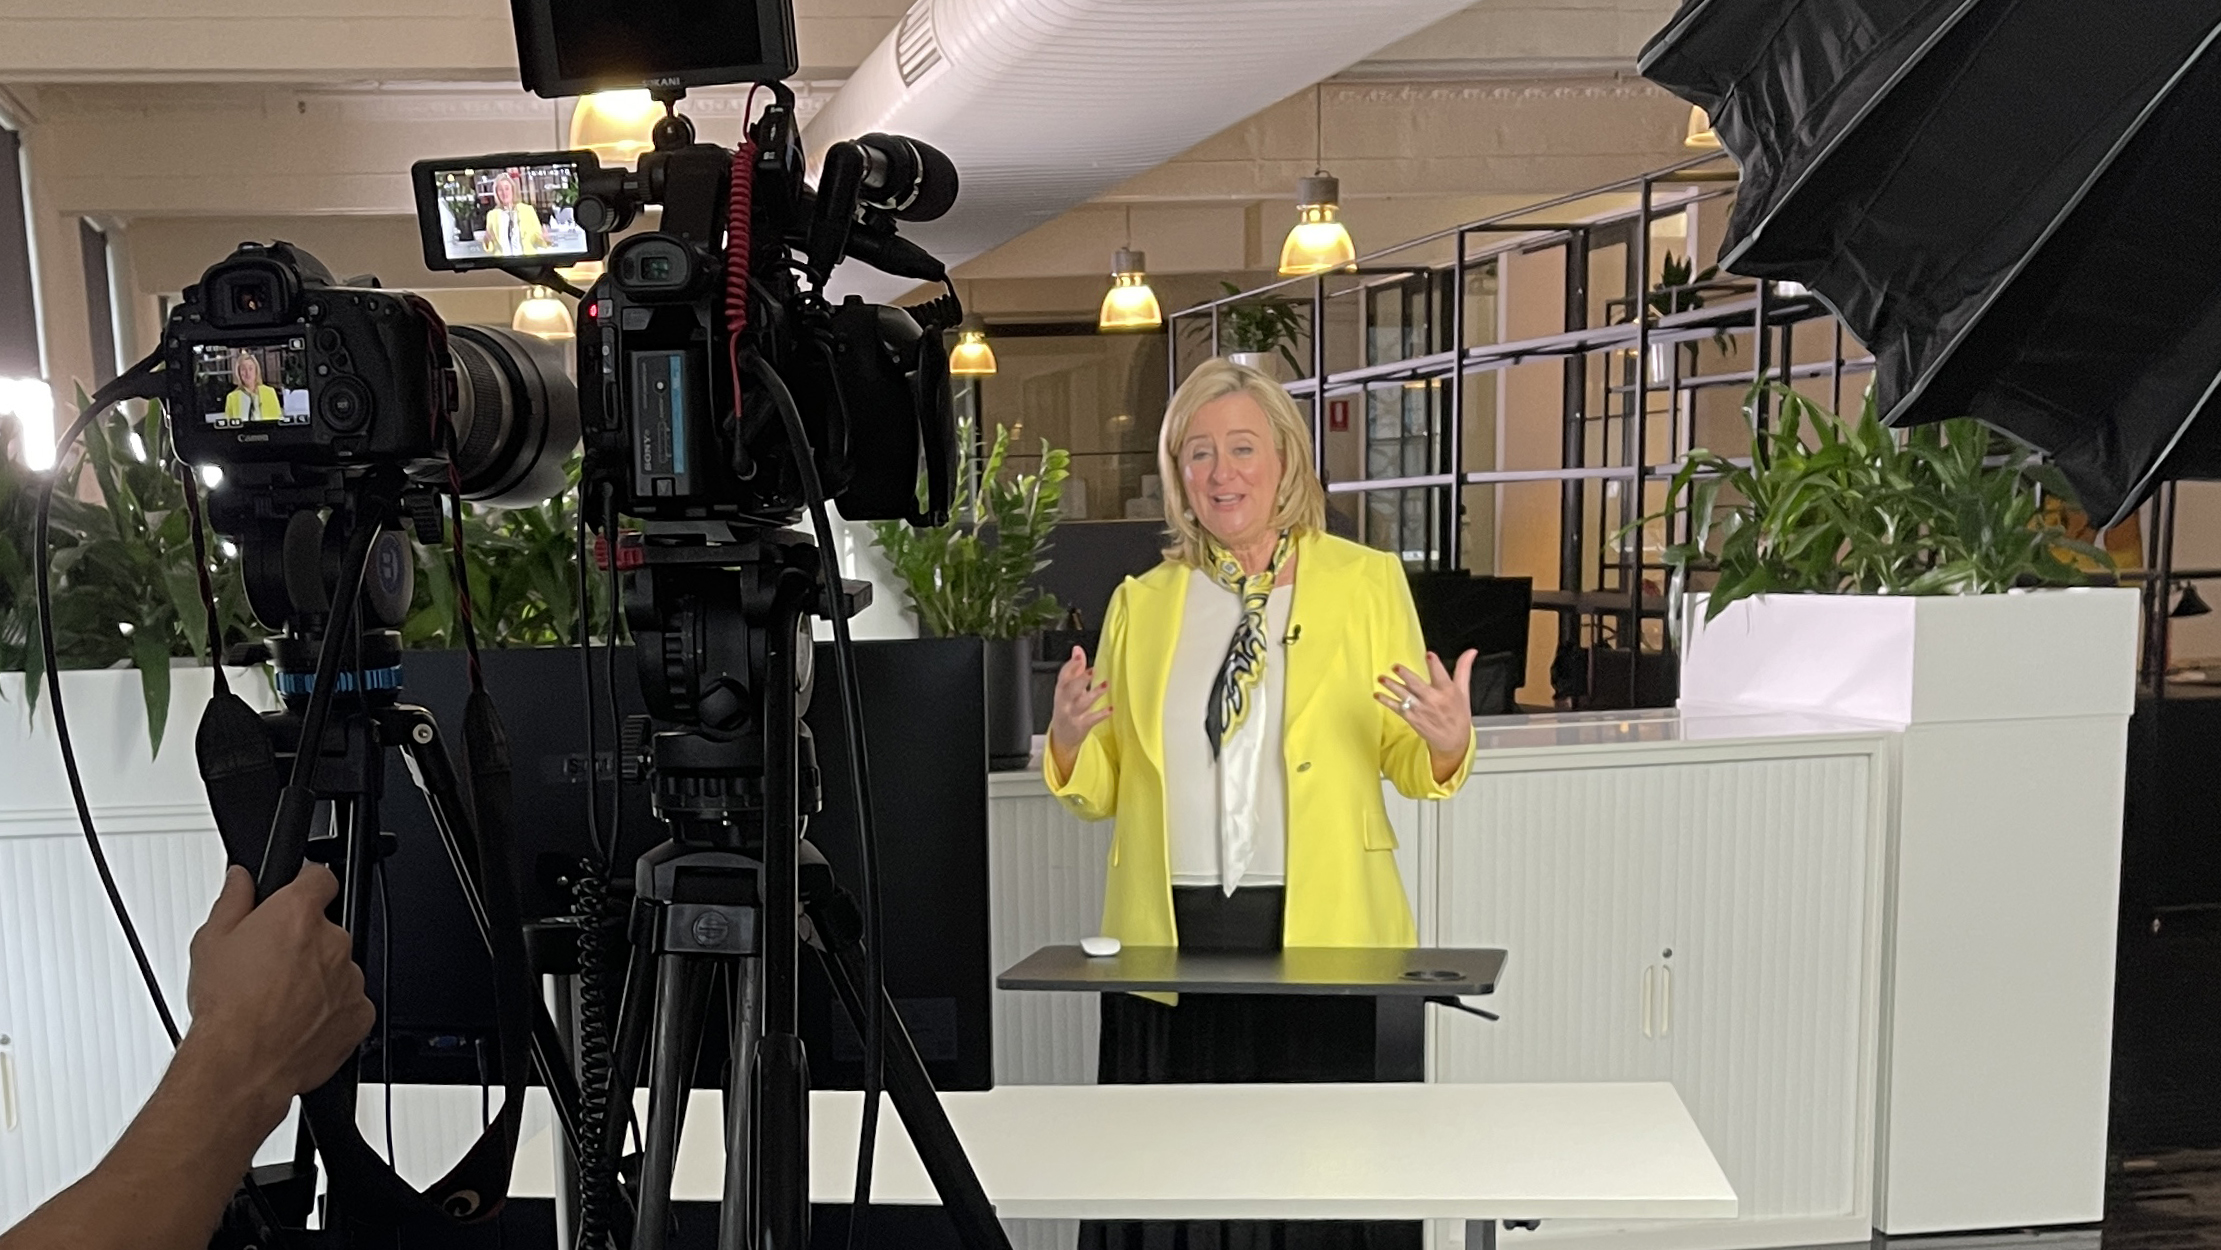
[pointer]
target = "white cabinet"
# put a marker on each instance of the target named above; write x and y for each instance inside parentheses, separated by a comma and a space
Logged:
(1706, 920)
(84, 1046)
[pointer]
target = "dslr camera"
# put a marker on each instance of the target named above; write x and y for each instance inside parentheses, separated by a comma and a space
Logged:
(309, 393)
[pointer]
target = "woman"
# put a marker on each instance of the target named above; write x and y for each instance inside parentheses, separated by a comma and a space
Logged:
(250, 398)
(1247, 698)
(512, 228)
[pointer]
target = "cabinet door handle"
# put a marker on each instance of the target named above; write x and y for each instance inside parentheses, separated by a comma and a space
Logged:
(1665, 1000)
(9, 1115)
(1649, 976)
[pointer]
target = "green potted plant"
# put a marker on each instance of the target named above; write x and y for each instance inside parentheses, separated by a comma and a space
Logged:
(1829, 505)
(1676, 292)
(973, 577)
(124, 592)
(1261, 332)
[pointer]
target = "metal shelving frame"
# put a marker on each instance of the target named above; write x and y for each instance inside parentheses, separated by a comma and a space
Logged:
(1755, 309)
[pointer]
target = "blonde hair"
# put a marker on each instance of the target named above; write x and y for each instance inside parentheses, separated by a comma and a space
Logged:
(1299, 502)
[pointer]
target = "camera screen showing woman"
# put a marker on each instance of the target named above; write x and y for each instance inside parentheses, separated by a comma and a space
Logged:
(240, 386)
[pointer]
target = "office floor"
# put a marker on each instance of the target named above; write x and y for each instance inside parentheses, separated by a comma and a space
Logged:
(2164, 1200)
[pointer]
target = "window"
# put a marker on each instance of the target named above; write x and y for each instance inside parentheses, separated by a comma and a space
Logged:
(19, 317)
(23, 393)
(100, 305)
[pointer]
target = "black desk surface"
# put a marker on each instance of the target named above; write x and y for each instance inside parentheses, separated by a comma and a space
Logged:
(1296, 970)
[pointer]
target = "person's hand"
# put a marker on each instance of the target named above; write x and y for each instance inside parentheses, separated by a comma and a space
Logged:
(1076, 713)
(1439, 706)
(275, 988)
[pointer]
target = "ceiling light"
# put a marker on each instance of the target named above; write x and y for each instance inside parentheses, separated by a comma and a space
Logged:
(616, 126)
(1700, 134)
(31, 402)
(1129, 304)
(543, 314)
(1317, 243)
(972, 357)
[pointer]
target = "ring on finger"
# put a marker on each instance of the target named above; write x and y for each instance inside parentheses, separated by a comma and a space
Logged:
(1409, 700)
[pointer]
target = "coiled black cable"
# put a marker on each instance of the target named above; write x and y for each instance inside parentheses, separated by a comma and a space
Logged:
(597, 1175)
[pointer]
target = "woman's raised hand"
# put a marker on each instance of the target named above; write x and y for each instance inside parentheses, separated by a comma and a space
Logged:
(1439, 706)
(1076, 713)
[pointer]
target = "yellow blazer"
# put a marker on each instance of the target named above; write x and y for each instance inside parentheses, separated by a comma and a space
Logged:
(1354, 611)
(265, 407)
(530, 237)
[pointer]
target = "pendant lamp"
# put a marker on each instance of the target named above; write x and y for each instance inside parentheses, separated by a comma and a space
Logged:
(543, 314)
(1700, 136)
(972, 357)
(1318, 242)
(1129, 304)
(616, 126)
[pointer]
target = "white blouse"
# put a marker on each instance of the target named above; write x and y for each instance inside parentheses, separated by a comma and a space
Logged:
(1226, 819)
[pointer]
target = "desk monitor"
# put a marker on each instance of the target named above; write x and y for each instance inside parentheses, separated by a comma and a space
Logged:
(925, 720)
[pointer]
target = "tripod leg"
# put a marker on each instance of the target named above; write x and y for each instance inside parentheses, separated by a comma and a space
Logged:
(682, 986)
(634, 1010)
(736, 1220)
(920, 1107)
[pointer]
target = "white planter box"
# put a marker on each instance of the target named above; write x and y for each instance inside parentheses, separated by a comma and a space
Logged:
(1909, 660)
(1998, 983)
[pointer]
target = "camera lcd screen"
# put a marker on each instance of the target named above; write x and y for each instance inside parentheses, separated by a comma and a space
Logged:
(504, 214)
(602, 42)
(571, 47)
(258, 385)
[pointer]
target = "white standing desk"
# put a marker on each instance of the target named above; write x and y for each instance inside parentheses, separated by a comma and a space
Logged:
(1480, 1153)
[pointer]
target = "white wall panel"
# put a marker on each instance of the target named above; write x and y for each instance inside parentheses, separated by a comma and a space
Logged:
(1045, 872)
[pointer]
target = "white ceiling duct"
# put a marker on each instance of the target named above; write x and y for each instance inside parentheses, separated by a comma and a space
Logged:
(1045, 104)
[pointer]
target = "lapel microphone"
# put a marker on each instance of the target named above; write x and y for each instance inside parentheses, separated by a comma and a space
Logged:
(1293, 636)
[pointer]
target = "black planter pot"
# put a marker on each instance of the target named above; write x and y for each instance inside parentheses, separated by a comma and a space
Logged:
(1009, 702)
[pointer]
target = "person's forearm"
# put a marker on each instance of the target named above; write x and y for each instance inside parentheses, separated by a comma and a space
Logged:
(164, 1184)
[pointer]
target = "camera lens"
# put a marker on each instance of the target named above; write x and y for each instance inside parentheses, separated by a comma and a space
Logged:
(516, 416)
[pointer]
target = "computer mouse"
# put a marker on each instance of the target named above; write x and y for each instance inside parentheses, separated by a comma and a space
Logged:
(1099, 947)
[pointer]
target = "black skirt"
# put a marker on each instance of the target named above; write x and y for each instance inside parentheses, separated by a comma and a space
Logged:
(1238, 1039)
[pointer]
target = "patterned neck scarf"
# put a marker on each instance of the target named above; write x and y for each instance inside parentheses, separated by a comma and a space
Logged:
(1233, 689)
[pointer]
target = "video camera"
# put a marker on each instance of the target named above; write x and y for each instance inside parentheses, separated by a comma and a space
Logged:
(675, 428)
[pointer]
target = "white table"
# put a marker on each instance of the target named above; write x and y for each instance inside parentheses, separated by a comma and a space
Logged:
(1480, 1153)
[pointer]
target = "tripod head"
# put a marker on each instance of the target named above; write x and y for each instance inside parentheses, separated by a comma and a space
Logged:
(719, 613)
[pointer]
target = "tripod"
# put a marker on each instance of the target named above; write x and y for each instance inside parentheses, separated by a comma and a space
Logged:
(722, 631)
(344, 718)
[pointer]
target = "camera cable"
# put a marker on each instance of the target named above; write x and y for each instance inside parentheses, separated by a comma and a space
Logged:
(844, 666)
(740, 202)
(138, 382)
(584, 639)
